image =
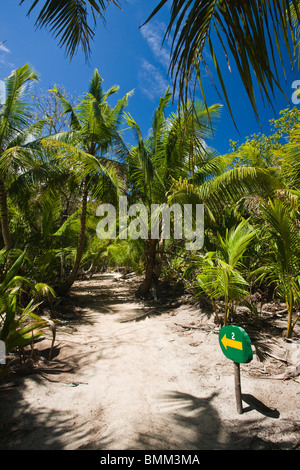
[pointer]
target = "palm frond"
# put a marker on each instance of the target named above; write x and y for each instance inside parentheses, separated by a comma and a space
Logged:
(251, 33)
(72, 22)
(285, 233)
(15, 113)
(237, 182)
(235, 243)
(68, 108)
(18, 158)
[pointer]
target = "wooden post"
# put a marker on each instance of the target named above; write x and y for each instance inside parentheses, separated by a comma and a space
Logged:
(237, 385)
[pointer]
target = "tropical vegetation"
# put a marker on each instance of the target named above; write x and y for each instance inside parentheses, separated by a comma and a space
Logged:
(59, 164)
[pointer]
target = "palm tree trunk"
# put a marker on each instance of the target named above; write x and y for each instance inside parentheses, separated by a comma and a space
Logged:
(73, 275)
(150, 275)
(4, 217)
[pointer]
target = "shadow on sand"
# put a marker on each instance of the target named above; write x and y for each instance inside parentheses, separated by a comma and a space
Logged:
(193, 423)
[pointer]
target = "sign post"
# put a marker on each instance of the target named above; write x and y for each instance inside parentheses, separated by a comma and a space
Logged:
(236, 346)
(237, 387)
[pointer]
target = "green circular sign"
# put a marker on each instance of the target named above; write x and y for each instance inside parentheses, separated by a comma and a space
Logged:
(235, 344)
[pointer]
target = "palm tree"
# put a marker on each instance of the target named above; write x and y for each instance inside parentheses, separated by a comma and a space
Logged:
(281, 266)
(253, 33)
(16, 155)
(246, 30)
(19, 325)
(69, 20)
(290, 168)
(221, 273)
(94, 128)
(175, 166)
(174, 149)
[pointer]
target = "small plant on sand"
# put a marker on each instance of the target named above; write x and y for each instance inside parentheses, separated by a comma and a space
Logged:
(20, 325)
(221, 271)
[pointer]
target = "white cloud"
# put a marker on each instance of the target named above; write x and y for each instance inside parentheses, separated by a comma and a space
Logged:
(4, 57)
(154, 79)
(154, 34)
(3, 48)
(151, 81)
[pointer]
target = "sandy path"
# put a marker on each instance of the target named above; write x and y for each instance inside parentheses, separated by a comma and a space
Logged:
(116, 383)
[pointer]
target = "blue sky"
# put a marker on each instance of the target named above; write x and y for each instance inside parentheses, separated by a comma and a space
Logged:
(129, 56)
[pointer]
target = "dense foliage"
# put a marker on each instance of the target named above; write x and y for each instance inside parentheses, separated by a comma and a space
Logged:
(56, 169)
